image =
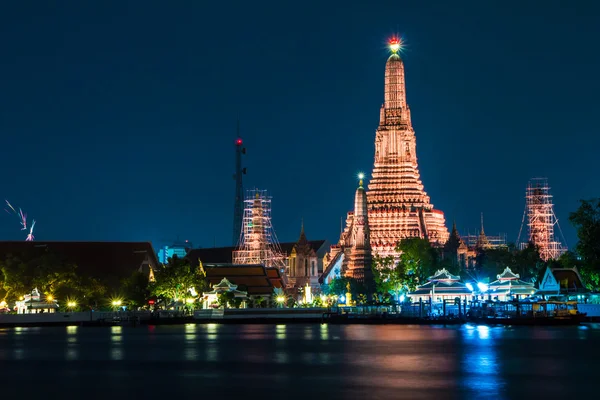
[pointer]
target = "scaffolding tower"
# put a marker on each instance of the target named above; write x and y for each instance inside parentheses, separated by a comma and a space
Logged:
(258, 243)
(539, 212)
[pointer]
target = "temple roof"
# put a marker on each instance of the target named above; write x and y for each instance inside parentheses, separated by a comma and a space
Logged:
(507, 274)
(443, 275)
(225, 284)
(256, 279)
(442, 288)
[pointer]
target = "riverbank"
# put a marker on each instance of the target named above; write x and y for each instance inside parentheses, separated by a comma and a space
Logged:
(268, 316)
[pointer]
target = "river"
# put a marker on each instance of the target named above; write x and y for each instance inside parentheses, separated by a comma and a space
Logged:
(307, 362)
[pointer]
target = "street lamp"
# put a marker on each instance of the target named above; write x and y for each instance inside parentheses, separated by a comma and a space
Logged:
(280, 300)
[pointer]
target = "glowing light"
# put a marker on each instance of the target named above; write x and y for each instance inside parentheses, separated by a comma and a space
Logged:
(361, 176)
(190, 300)
(116, 303)
(342, 299)
(238, 142)
(402, 298)
(482, 287)
(49, 297)
(71, 304)
(280, 299)
(470, 287)
(395, 44)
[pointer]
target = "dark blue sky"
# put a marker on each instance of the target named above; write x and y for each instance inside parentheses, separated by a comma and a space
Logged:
(118, 118)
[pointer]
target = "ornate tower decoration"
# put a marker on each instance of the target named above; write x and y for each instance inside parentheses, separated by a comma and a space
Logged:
(360, 259)
(541, 220)
(258, 243)
(398, 205)
(238, 205)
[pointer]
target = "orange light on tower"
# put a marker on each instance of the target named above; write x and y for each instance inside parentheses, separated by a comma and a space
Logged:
(395, 44)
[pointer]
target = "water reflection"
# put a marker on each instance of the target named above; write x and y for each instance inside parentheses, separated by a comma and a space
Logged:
(280, 332)
(116, 351)
(212, 331)
(480, 365)
(72, 352)
(324, 332)
(190, 332)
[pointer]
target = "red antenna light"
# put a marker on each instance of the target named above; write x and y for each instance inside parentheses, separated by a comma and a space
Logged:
(238, 142)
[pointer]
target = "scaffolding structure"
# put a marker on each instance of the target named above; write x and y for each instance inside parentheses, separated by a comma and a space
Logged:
(493, 241)
(258, 243)
(539, 212)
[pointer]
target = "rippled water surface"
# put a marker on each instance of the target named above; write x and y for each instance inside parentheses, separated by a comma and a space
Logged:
(304, 361)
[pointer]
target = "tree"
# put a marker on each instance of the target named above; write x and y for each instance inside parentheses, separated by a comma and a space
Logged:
(225, 299)
(586, 219)
(389, 277)
(419, 260)
(174, 280)
(136, 289)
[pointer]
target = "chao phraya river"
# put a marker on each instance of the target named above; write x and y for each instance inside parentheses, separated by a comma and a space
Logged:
(303, 362)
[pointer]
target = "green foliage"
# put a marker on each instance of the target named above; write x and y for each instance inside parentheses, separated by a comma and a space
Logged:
(317, 302)
(136, 289)
(174, 280)
(389, 277)
(419, 259)
(361, 299)
(259, 302)
(339, 287)
(225, 299)
(527, 263)
(47, 273)
(586, 219)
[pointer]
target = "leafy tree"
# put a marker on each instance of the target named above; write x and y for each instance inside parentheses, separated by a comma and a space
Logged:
(136, 289)
(225, 299)
(419, 259)
(389, 277)
(174, 280)
(586, 219)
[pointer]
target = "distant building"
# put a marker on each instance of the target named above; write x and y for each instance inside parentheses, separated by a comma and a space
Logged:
(179, 249)
(293, 252)
(561, 282)
(253, 280)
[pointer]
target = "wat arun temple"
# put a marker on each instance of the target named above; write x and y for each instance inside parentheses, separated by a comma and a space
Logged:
(398, 205)
(395, 206)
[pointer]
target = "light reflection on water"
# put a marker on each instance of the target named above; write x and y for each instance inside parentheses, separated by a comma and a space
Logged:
(280, 332)
(480, 365)
(116, 349)
(386, 361)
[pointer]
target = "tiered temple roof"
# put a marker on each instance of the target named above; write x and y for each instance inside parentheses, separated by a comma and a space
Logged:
(508, 283)
(398, 205)
(442, 283)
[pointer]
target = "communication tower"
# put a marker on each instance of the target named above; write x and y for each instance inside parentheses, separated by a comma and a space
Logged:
(539, 212)
(238, 205)
(258, 243)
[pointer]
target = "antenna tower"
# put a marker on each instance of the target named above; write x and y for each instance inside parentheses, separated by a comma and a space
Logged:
(238, 205)
(258, 243)
(539, 211)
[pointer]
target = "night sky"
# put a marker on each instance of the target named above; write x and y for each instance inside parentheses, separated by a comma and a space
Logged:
(118, 119)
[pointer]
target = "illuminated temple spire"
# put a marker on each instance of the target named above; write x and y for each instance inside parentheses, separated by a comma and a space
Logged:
(359, 262)
(398, 205)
